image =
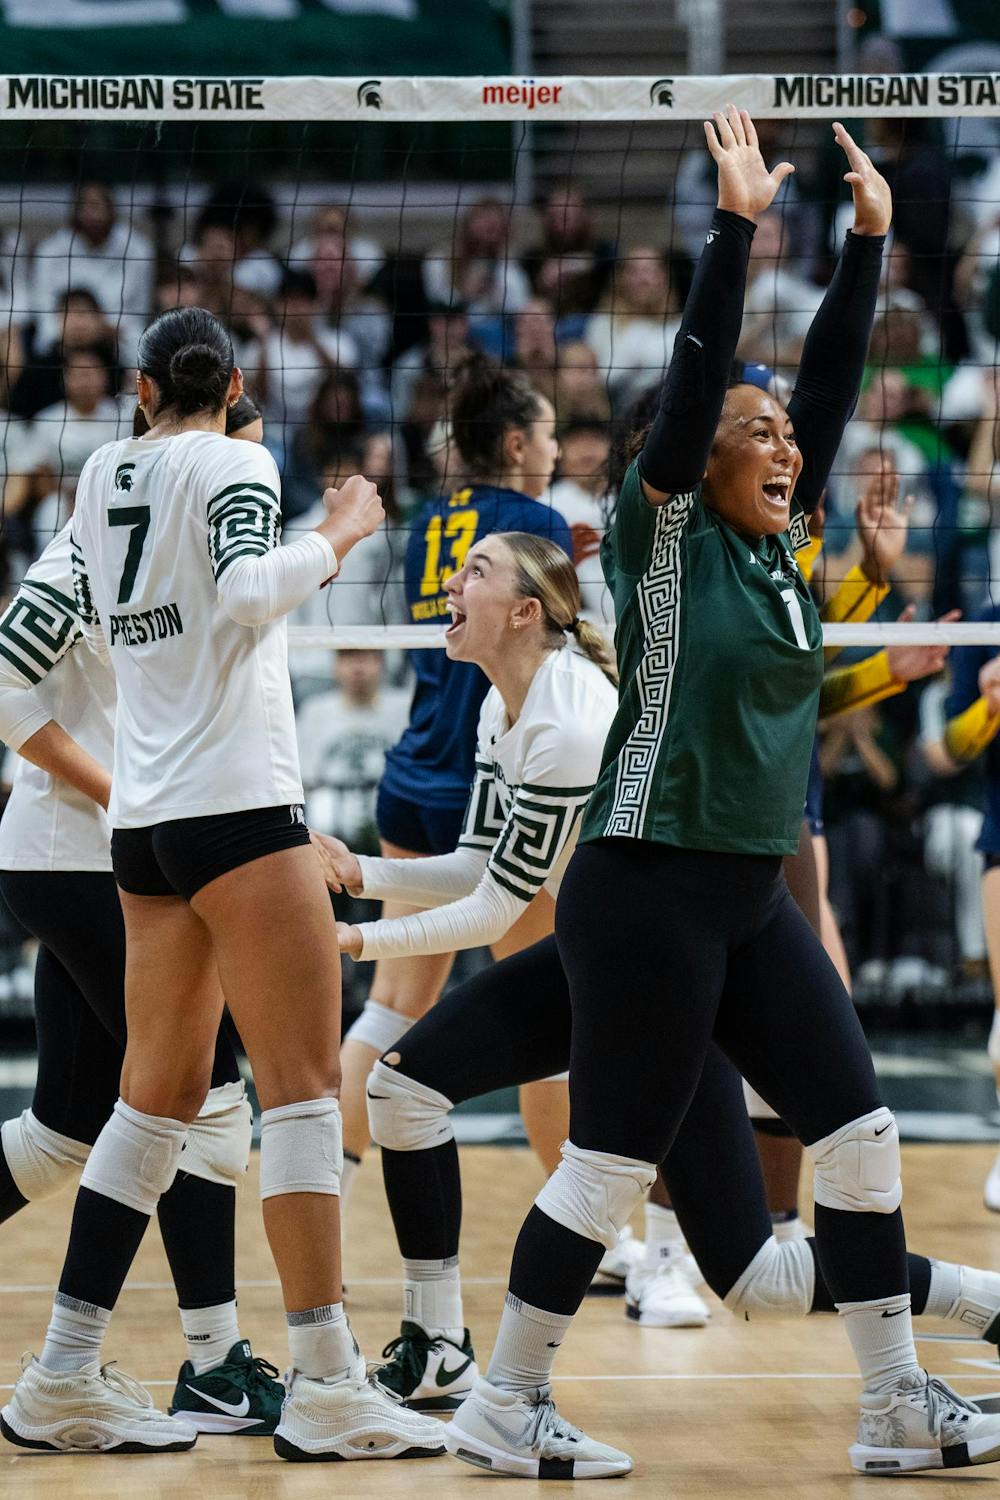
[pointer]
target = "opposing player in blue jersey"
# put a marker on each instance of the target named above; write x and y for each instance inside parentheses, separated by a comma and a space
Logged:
(504, 432)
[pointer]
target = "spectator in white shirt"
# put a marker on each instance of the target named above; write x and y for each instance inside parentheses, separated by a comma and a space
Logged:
(779, 304)
(102, 253)
(343, 736)
(578, 494)
(297, 355)
(634, 329)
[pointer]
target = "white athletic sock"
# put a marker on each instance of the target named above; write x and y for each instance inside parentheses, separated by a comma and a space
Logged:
(348, 1172)
(946, 1284)
(432, 1297)
(75, 1335)
(526, 1345)
(663, 1235)
(210, 1333)
(881, 1335)
(321, 1344)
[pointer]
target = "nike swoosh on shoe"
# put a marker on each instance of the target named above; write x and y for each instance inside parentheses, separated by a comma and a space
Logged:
(450, 1375)
(231, 1409)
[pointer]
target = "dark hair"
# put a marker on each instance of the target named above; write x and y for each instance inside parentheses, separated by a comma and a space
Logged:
(77, 294)
(242, 413)
(189, 354)
(238, 205)
(486, 402)
(298, 284)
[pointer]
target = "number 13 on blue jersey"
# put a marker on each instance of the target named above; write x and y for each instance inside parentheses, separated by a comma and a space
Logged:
(447, 541)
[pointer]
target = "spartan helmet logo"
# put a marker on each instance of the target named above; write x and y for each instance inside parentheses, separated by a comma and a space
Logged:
(368, 93)
(662, 92)
(123, 476)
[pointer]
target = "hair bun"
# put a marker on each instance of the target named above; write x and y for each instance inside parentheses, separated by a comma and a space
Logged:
(194, 366)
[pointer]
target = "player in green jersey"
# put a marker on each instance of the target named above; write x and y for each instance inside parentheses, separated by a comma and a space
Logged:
(674, 924)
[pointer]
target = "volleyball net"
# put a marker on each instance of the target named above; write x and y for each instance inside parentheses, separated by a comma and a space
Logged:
(360, 236)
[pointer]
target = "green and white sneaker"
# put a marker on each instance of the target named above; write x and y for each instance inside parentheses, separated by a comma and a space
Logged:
(427, 1371)
(242, 1395)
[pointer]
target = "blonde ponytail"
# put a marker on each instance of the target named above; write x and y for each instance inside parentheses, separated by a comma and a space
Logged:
(544, 572)
(595, 648)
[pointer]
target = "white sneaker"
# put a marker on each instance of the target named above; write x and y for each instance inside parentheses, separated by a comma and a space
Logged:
(663, 1296)
(526, 1436)
(616, 1263)
(322, 1421)
(923, 1426)
(74, 1412)
(991, 1188)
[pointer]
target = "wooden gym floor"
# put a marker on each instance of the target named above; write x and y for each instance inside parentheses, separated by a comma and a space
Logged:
(731, 1410)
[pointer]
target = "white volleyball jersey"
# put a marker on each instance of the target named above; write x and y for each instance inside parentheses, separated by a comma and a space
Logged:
(205, 721)
(46, 672)
(533, 780)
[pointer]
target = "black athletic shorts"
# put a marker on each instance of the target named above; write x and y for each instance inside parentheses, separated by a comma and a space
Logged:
(178, 858)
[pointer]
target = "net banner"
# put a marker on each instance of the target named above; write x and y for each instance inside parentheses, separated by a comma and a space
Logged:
(152, 97)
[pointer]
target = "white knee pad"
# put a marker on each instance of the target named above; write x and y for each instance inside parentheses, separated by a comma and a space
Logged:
(757, 1108)
(301, 1148)
(594, 1194)
(135, 1158)
(218, 1141)
(404, 1115)
(857, 1167)
(41, 1161)
(993, 1045)
(379, 1027)
(778, 1283)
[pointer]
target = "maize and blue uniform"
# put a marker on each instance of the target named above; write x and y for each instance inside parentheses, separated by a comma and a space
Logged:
(966, 663)
(425, 787)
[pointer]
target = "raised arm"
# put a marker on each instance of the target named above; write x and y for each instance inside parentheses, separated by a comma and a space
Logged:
(677, 446)
(836, 346)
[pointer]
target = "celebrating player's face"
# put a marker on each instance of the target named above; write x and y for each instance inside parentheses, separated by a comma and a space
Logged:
(483, 601)
(754, 463)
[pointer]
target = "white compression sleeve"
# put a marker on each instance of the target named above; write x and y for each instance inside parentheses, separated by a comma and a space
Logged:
(425, 882)
(21, 714)
(473, 922)
(255, 590)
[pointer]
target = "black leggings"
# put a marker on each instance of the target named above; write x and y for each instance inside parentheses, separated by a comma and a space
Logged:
(80, 1027)
(511, 1024)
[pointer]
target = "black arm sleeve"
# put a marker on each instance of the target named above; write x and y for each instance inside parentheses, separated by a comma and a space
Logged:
(677, 446)
(833, 362)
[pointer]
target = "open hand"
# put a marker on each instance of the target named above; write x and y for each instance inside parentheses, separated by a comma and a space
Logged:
(882, 522)
(745, 185)
(340, 867)
(872, 194)
(910, 663)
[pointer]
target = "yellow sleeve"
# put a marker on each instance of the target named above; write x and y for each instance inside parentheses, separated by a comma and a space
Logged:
(858, 686)
(968, 733)
(806, 557)
(854, 602)
(856, 599)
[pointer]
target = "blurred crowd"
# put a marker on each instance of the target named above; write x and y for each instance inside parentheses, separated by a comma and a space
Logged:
(350, 344)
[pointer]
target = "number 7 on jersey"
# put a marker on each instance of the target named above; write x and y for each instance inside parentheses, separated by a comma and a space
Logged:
(136, 516)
